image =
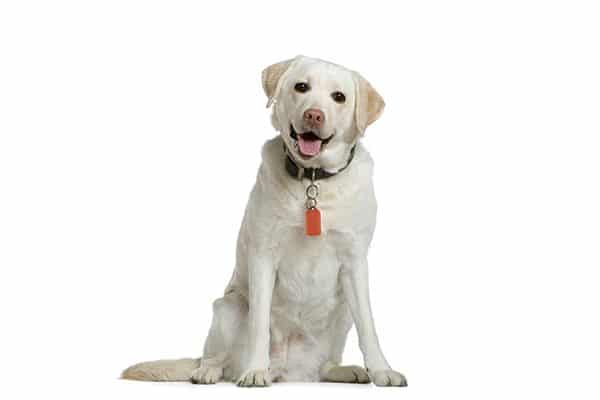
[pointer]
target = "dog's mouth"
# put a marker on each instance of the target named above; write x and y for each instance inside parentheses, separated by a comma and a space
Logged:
(308, 144)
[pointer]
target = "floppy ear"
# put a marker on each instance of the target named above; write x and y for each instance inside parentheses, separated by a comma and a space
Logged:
(369, 104)
(271, 77)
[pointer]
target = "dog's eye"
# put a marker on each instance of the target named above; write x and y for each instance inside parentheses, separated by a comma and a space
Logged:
(338, 97)
(301, 87)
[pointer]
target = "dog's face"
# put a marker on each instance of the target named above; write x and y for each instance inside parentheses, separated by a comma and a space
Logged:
(321, 109)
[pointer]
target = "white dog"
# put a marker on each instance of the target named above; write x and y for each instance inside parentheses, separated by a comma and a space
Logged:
(300, 279)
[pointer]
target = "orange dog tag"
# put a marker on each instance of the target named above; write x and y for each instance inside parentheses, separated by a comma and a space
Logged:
(313, 222)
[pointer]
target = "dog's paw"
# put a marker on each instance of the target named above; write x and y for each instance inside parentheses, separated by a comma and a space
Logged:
(347, 374)
(207, 375)
(255, 378)
(388, 378)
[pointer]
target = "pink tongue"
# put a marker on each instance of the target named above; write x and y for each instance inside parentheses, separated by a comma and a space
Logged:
(309, 147)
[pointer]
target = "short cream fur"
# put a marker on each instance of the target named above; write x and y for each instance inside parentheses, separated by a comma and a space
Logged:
(292, 298)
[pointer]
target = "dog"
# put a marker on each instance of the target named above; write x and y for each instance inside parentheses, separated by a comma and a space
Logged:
(300, 280)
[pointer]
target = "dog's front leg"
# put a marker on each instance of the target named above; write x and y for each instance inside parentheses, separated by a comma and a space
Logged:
(355, 283)
(261, 278)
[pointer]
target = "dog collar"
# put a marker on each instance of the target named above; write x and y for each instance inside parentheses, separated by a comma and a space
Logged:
(314, 174)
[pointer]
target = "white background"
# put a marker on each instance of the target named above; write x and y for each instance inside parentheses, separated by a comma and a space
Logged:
(119, 213)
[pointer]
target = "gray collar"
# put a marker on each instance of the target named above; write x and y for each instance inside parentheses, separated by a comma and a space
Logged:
(314, 174)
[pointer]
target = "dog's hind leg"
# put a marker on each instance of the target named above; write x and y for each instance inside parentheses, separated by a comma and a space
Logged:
(332, 371)
(229, 313)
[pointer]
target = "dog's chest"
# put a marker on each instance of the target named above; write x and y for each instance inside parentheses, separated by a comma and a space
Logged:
(308, 268)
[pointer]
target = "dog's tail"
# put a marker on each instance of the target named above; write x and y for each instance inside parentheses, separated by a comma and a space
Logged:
(162, 370)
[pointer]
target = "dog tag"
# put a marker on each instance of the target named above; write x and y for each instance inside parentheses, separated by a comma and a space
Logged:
(313, 222)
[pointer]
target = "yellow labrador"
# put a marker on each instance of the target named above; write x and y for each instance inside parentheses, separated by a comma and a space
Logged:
(300, 279)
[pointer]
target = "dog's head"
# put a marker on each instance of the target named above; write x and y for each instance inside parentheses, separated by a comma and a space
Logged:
(320, 109)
